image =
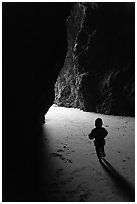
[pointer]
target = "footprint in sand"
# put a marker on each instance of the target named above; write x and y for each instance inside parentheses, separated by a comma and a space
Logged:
(77, 171)
(66, 181)
(128, 158)
(80, 192)
(83, 197)
(59, 172)
(60, 150)
(57, 155)
(61, 157)
(69, 160)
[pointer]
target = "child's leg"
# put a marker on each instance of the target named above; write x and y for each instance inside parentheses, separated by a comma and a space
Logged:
(98, 152)
(103, 151)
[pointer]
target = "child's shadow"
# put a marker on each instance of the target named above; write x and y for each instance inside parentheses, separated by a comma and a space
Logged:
(127, 189)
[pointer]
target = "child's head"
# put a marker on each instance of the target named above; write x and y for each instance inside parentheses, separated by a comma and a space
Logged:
(98, 122)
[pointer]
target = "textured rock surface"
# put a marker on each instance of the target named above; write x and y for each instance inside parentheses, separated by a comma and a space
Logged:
(98, 72)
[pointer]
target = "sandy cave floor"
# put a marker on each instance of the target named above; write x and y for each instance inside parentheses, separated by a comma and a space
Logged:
(76, 174)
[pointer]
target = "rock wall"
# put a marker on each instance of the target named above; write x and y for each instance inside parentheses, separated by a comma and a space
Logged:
(99, 68)
(34, 47)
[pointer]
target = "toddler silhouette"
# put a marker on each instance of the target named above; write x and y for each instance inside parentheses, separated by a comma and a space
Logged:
(99, 133)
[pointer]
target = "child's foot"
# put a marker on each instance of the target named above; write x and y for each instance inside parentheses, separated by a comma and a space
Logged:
(104, 155)
(99, 160)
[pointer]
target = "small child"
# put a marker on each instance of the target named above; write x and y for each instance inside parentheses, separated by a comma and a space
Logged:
(99, 133)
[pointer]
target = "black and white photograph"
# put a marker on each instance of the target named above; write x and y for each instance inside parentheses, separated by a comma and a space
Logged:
(68, 101)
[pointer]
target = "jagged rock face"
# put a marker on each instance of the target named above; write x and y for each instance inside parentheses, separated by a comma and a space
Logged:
(98, 72)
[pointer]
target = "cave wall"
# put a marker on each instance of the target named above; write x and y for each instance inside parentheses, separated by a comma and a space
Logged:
(99, 68)
(34, 45)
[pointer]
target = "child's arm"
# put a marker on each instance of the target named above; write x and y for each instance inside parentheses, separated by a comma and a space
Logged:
(105, 132)
(91, 135)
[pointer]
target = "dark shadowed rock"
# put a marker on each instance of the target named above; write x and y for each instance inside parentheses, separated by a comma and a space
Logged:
(98, 72)
(34, 48)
